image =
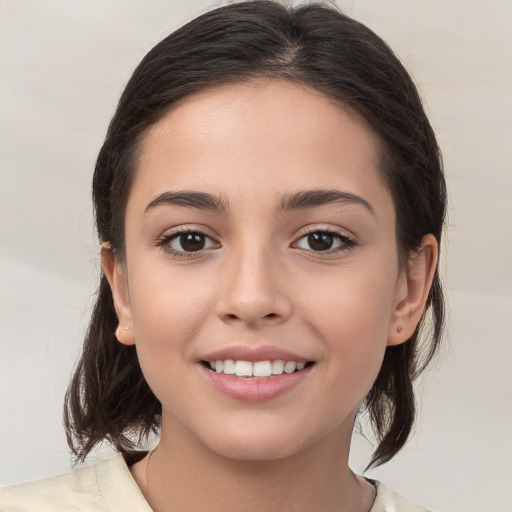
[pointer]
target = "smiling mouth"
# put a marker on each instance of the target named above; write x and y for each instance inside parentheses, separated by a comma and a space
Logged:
(257, 369)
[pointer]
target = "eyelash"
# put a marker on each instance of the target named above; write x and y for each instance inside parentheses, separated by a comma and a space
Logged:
(346, 242)
(165, 240)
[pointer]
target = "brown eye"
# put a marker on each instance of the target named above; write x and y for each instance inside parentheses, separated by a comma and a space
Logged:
(320, 241)
(324, 241)
(189, 241)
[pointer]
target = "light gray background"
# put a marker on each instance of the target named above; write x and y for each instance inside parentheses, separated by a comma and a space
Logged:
(63, 65)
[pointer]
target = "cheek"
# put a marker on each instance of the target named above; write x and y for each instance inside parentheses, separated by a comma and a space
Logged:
(353, 322)
(167, 315)
(354, 304)
(168, 309)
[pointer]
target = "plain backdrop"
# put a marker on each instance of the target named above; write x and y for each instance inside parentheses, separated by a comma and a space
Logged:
(63, 65)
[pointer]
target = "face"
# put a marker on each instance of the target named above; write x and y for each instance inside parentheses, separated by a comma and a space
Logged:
(260, 238)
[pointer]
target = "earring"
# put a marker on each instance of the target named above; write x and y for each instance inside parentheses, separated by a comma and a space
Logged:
(399, 329)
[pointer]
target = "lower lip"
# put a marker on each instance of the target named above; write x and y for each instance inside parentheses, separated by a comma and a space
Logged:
(255, 389)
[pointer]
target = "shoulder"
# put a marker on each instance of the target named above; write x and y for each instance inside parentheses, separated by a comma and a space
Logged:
(106, 486)
(389, 501)
(76, 489)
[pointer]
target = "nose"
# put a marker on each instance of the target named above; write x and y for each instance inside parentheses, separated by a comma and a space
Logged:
(253, 289)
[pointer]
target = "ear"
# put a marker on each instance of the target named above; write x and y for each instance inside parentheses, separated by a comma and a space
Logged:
(116, 276)
(412, 291)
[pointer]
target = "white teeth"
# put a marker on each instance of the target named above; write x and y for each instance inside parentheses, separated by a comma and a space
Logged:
(277, 367)
(262, 369)
(243, 369)
(257, 369)
(229, 367)
(290, 367)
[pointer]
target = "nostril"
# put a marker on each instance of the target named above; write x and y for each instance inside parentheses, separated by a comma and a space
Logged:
(270, 315)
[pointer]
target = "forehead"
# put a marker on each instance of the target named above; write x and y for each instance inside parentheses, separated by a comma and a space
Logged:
(262, 136)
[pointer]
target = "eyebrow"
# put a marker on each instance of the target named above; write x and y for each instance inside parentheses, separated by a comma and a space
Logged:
(298, 201)
(200, 200)
(313, 198)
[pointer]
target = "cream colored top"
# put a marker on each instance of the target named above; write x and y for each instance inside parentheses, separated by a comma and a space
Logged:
(109, 487)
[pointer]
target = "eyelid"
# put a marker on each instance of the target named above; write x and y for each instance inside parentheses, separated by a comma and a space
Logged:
(171, 234)
(188, 228)
(348, 240)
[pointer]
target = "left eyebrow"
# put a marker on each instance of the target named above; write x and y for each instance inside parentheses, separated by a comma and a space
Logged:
(189, 199)
(313, 198)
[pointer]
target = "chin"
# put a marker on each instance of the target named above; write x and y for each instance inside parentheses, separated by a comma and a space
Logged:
(255, 450)
(253, 441)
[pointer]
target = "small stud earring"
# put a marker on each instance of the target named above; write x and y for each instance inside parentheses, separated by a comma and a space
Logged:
(126, 328)
(399, 329)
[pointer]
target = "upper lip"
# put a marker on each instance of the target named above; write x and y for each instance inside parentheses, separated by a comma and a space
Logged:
(253, 354)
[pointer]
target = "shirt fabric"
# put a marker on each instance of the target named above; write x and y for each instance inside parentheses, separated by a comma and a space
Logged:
(108, 486)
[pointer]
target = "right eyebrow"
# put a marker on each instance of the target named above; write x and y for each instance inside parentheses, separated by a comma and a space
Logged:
(313, 198)
(191, 199)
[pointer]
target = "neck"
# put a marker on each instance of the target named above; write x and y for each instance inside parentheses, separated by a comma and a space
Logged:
(184, 475)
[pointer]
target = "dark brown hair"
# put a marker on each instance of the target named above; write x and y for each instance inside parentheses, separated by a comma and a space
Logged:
(108, 397)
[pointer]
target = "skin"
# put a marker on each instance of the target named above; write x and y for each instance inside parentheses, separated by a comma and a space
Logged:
(258, 282)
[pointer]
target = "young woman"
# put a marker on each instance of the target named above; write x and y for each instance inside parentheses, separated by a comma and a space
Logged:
(270, 203)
